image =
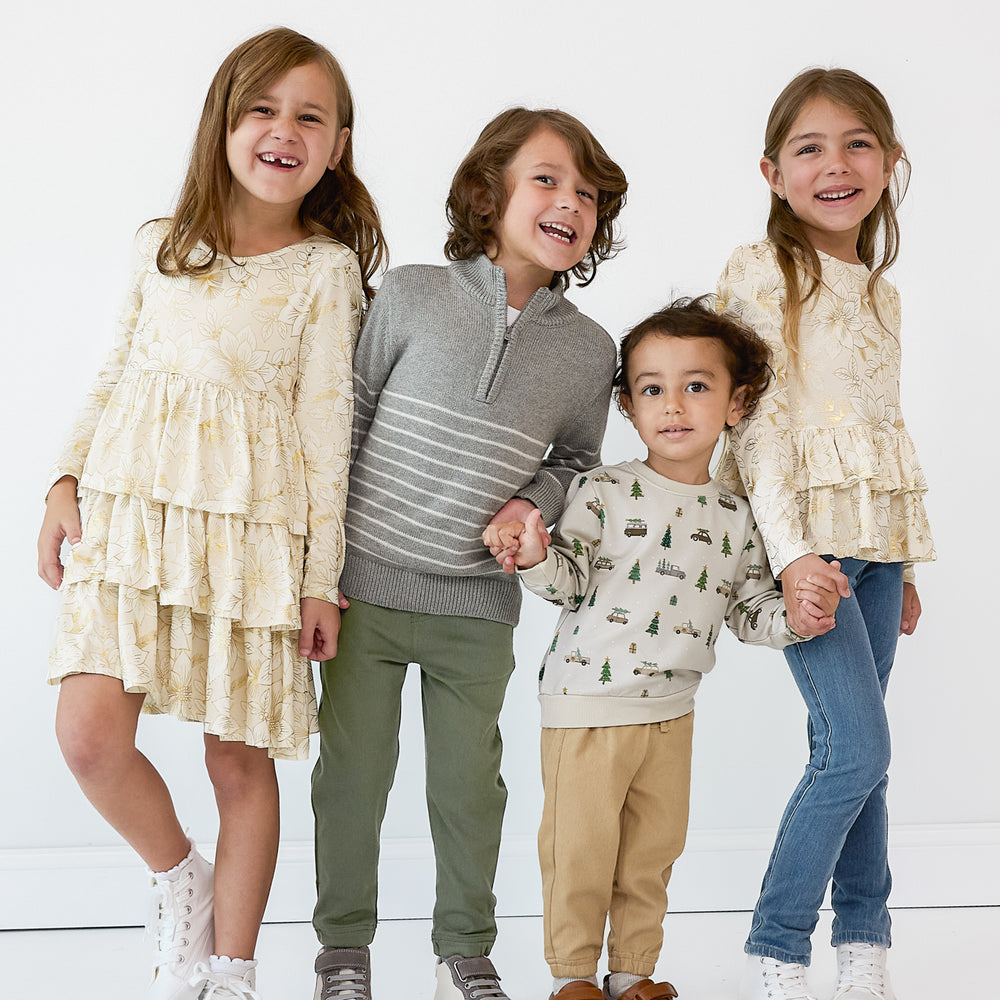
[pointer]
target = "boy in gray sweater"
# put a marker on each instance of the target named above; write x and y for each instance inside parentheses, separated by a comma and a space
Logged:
(463, 417)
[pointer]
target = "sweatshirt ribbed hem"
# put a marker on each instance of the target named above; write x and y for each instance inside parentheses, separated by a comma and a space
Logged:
(577, 711)
(496, 599)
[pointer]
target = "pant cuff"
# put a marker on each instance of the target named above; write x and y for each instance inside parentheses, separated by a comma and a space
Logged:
(634, 965)
(861, 937)
(466, 947)
(778, 954)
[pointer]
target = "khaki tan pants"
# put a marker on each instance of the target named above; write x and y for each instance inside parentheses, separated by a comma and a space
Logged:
(614, 822)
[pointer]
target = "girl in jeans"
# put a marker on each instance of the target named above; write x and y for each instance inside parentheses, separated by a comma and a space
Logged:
(831, 473)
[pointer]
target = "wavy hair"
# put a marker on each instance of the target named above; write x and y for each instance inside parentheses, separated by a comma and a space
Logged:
(878, 240)
(338, 206)
(747, 355)
(479, 190)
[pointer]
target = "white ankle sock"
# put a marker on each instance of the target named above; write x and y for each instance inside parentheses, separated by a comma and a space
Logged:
(232, 966)
(619, 982)
(558, 984)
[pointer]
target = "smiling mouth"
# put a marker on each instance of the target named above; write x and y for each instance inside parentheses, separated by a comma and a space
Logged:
(837, 195)
(675, 431)
(559, 232)
(286, 162)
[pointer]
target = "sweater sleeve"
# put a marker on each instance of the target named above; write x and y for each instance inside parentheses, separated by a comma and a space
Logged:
(756, 611)
(323, 407)
(576, 449)
(77, 445)
(564, 574)
(763, 443)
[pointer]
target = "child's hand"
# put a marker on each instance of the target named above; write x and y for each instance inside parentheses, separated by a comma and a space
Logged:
(503, 534)
(813, 589)
(533, 541)
(62, 520)
(320, 629)
(911, 610)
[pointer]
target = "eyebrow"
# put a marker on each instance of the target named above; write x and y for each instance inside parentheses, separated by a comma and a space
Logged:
(307, 107)
(822, 135)
(706, 373)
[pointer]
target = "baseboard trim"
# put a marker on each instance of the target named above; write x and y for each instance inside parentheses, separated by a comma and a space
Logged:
(945, 865)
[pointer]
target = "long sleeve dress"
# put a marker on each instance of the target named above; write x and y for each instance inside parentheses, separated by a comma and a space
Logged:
(212, 456)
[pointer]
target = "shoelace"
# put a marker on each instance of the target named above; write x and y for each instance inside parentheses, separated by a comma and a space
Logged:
(348, 984)
(789, 978)
(162, 923)
(863, 970)
(486, 988)
(215, 986)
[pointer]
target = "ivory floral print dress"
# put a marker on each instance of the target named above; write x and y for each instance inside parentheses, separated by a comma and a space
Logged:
(826, 457)
(212, 458)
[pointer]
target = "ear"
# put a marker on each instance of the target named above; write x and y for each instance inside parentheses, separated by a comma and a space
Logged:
(625, 401)
(338, 149)
(772, 174)
(737, 406)
(891, 159)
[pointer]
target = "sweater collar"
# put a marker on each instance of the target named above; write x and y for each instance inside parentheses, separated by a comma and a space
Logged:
(488, 282)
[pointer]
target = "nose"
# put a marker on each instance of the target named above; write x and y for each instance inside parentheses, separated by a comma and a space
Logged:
(569, 200)
(283, 128)
(836, 163)
(673, 401)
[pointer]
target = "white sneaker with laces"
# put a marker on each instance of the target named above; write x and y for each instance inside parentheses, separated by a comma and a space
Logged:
(223, 985)
(467, 979)
(182, 926)
(861, 973)
(768, 979)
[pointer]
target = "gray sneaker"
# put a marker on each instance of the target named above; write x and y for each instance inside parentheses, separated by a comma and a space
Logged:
(468, 979)
(343, 974)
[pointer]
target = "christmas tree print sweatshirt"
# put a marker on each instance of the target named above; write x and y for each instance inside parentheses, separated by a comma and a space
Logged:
(647, 570)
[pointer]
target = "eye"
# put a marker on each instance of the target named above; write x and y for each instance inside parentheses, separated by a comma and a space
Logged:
(583, 192)
(261, 109)
(860, 144)
(311, 119)
(545, 179)
(811, 148)
(696, 387)
(650, 390)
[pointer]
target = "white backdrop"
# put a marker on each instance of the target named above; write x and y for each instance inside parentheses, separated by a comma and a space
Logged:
(102, 104)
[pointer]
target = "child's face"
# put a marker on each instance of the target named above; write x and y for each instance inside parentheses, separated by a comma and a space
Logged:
(286, 141)
(832, 171)
(680, 398)
(551, 212)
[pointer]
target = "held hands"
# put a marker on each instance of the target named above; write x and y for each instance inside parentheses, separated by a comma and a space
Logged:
(813, 589)
(62, 520)
(505, 534)
(320, 628)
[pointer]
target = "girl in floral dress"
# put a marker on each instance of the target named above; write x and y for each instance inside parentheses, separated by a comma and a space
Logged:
(202, 492)
(831, 472)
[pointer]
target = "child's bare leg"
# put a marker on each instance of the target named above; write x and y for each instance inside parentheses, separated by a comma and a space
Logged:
(95, 725)
(246, 792)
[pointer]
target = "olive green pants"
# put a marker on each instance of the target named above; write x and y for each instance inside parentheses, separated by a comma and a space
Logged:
(464, 664)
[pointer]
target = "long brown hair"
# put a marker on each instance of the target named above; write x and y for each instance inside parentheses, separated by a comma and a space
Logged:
(478, 195)
(338, 206)
(798, 260)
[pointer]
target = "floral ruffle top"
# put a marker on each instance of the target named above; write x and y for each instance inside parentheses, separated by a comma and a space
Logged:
(230, 393)
(826, 459)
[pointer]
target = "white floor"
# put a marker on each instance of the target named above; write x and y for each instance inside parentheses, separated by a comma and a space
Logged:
(938, 953)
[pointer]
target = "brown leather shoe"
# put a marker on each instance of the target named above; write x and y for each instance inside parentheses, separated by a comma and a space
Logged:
(579, 989)
(645, 989)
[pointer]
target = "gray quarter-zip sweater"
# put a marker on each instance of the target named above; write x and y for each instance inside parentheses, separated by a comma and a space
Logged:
(455, 413)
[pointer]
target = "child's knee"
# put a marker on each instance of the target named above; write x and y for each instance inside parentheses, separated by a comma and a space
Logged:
(235, 768)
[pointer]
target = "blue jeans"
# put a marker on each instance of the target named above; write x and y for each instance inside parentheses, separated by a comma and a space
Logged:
(835, 824)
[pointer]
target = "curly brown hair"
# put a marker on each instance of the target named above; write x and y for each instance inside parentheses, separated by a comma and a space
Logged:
(747, 356)
(479, 190)
(338, 206)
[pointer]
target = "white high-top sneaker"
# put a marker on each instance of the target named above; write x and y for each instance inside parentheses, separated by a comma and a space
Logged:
(861, 973)
(182, 927)
(769, 979)
(225, 985)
